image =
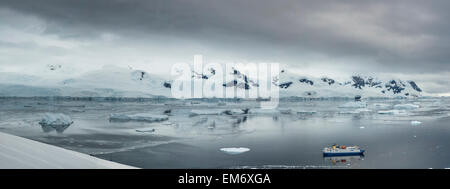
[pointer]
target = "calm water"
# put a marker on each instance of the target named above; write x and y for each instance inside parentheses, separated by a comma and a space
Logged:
(276, 140)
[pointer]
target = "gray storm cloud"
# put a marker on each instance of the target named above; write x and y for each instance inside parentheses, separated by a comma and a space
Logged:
(407, 38)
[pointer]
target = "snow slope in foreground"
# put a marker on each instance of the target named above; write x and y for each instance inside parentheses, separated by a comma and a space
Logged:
(20, 153)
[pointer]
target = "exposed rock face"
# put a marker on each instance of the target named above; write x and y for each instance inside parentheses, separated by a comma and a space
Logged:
(304, 80)
(414, 86)
(328, 80)
(396, 87)
(285, 85)
(358, 82)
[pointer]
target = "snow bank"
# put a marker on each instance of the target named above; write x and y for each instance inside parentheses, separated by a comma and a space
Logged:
(392, 112)
(138, 117)
(56, 119)
(353, 105)
(406, 106)
(20, 153)
(416, 122)
(234, 151)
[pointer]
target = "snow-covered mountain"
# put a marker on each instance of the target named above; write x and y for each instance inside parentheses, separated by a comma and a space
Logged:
(365, 86)
(126, 82)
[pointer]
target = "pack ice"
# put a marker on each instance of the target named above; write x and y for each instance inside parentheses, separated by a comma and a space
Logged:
(353, 105)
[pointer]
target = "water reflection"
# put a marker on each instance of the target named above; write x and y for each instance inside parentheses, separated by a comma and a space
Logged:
(337, 160)
(58, 128)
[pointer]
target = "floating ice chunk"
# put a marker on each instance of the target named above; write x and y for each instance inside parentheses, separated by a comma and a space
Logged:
(56, 119)
(416, 122)
(362, 127)
(353, 105)
(379, 105)
(138, 117)
(235, 111)
(205, 112)
(406, 106)
(234, 151)
(392, 112)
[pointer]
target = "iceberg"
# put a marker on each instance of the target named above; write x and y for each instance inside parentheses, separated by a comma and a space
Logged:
(138, 117)
(234, 151)
(406, 106)
(55, 119)
(416, 122)
(392, 112)
(353, 105)
(235, 111)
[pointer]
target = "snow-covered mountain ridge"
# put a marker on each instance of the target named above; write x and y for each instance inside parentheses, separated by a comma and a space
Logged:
(127, 82)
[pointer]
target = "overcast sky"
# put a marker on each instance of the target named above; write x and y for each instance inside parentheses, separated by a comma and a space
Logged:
(403, 39)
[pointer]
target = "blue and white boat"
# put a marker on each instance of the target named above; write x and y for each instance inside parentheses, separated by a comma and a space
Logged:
(337, 150)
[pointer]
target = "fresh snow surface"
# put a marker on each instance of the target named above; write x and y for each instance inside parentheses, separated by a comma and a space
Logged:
(353, 105)
(139, 117)
(416, 122)
(20, 153)
(392, 112)
(55, 119)
(234, 151)
(406, 106)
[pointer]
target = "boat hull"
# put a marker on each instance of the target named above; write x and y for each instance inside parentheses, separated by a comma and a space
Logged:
(327, 154)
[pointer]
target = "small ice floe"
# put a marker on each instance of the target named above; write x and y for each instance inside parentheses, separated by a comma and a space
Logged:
(379, 105)
(405, 106)
(264, 111)
(138, 117)
(234, 151)
(56, 119)
(357, 104)
(205, 112)
(416, 122)
(235, 111)
(392, 112)
(362, 127)
(145, 131)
